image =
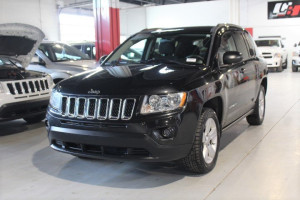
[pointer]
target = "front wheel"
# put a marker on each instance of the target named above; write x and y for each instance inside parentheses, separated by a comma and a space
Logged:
(294, 68)
(204, 153)
(34, 119)
(258, 116)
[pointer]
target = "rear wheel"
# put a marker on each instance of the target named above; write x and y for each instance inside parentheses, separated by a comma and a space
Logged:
(258, 116)
(285, 64)
(204, 153)
(294, 68)
(34, 119)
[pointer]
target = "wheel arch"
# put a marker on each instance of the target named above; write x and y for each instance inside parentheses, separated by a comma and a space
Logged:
(215, 103)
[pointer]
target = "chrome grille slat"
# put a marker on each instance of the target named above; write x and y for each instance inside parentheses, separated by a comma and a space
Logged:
(114, 109)
(24, 87)
(128, 108)
(102, 110)
(98, 108)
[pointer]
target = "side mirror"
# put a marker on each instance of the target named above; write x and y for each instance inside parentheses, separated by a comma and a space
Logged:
(37, 61)
(231, 57)
(102, 59)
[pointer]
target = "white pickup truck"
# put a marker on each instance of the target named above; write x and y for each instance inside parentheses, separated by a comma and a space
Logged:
(273, 51)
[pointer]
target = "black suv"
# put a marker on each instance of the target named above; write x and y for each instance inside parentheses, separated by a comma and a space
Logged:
(163, 95)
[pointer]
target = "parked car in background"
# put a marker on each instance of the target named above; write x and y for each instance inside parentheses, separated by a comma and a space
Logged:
(60, 60)
(88, 48)
(162, 95)
(296, 57)
(23, 93)
(273, 51)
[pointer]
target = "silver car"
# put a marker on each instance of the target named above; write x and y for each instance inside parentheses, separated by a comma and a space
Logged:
(60, 60)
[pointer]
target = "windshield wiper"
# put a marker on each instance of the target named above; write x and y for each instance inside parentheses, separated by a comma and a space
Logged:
(166, 60)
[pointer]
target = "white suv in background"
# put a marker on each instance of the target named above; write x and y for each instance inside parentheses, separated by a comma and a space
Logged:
(296, 57)
(60, 60)
(273, 51)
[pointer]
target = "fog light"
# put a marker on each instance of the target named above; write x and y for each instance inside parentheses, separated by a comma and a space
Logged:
(168, 132)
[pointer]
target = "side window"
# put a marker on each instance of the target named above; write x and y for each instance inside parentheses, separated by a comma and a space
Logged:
(227, 43)
(241, 45)
(252, 45)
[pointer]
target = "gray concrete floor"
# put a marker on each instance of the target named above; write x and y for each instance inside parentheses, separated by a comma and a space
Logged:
(260, 162)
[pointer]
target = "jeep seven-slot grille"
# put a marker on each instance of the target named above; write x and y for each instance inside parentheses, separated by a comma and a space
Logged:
(101, 109)
(28, 86)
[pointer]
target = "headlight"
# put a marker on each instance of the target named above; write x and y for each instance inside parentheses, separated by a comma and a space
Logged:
(55, 100)
(295, 53)
(1, 88)
(277, 55)
(50, 81)
(161, 103)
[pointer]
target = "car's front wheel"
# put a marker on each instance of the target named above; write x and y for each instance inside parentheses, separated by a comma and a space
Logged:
(204, 153)
(294, 68)
(258, 115)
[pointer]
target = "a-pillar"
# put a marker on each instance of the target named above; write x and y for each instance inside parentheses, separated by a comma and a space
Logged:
(107, 26)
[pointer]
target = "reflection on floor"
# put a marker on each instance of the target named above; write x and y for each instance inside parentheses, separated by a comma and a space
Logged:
(260, 162)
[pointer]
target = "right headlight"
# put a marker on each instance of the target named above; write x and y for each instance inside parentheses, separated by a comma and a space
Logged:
(277, 55)
(161, 103)
(55, 100)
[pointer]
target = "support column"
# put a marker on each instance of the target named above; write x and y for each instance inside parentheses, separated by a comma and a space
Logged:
(107, 26)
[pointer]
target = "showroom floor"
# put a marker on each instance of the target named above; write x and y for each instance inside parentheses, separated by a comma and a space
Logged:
(260, 162)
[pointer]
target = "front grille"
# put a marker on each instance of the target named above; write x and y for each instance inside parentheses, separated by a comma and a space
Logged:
(267, 55)
(101, 109)
(27, 86)
(101, 150)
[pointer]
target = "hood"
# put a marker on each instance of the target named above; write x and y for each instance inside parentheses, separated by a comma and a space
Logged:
(78, 65)
(19, 41)
(132, 79)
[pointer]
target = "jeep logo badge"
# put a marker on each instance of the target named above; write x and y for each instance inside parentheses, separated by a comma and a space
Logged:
(94, 91)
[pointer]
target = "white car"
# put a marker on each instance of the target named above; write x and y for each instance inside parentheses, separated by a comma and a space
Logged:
(273, 51)
(296, 58)
(60, 60)
(23, 93)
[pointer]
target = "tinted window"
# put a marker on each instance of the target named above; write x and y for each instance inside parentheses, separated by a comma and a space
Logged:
(267, 43)
(226, 44)
(241, 45)
(251, 43)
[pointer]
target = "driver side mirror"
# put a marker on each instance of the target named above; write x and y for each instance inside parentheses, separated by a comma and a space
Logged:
(37, 61)
(231, 57)
(102, 59)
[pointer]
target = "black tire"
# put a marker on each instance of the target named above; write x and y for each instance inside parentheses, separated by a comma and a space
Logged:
(195, 161)
(256, 118)
(294, 68)
(34, 119)
(285, 64)
(279, 69)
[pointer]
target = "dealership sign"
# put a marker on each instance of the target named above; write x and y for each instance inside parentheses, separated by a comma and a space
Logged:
(283, 9)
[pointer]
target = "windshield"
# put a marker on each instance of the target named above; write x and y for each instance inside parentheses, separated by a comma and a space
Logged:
(186, 49)
(57, 52)
(267, 43)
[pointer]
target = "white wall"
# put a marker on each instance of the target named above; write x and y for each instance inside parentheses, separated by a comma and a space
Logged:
(39, 13)
(254, 13)
(189, 14)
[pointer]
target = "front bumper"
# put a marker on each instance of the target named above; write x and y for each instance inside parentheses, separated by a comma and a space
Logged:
(118, 141)
(22, 109)
(273, 62)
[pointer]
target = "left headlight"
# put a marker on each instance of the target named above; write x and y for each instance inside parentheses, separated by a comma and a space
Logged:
(161, 103)
(55, 100)
(277, 55)
(50, 81)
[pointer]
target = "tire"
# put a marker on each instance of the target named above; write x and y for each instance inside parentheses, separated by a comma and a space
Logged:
(279, 69)
(294, 68)
(285, 64)
(195, 161)
(258, 116)
(34, 119)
